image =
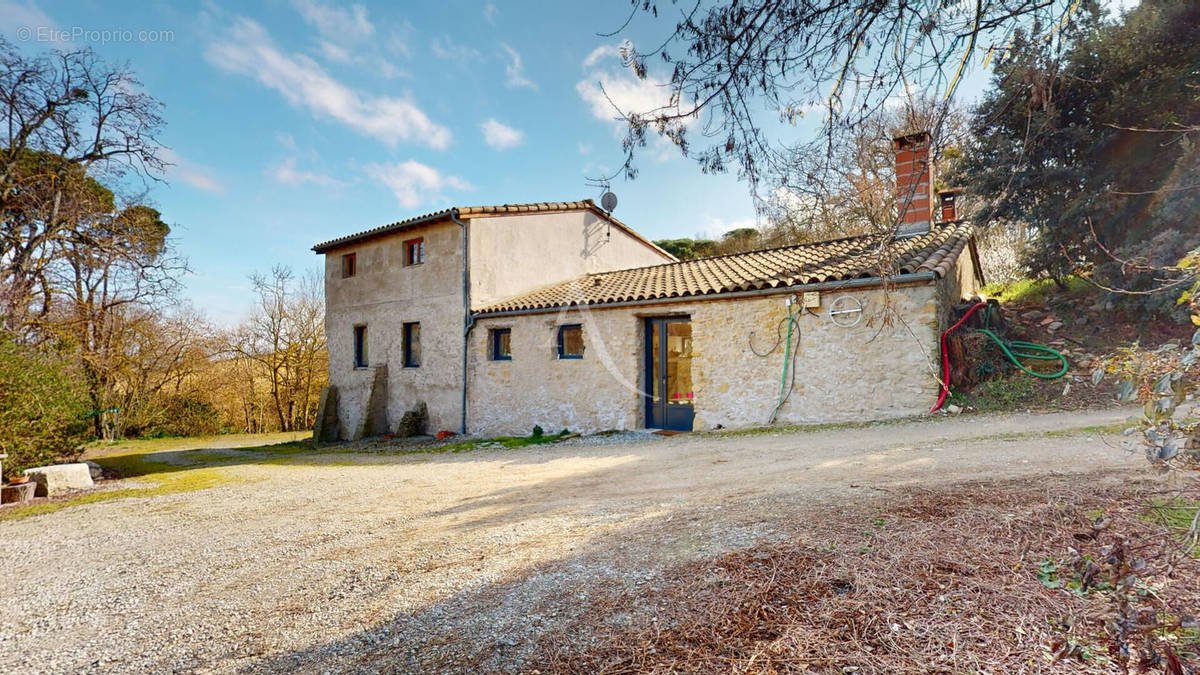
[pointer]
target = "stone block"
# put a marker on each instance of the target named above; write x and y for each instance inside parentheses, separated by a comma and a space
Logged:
(59, 478)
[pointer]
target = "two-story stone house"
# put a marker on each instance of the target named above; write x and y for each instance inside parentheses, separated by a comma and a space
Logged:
(500, 318)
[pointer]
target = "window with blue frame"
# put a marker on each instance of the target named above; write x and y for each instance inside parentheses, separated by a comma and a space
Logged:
(500, 344)
(570, 341)
(360, 346)
(412, 345)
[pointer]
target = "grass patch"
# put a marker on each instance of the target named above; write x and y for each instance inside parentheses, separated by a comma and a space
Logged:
(994, 395)
(172, 466)
(1033, 290)
(501, 442)
(161, 484)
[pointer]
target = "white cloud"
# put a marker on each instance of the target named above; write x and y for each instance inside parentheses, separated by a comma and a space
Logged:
(584, 148)
(607, 85)
(22, 20)
(338, 24)
(334, 52)
(286, 140)
(489, 12)
(286, 173)
(347, 36)
(715, 227)
(250, 51)
(415, 183)
(600, 53)
(501, 136)
(199, 177)
(448, 49)
(515, 70)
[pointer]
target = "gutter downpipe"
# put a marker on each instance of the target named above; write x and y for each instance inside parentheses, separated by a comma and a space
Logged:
(914, 277)
(468, 318)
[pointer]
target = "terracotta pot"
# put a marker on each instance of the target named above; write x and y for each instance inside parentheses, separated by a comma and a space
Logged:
(18, 480)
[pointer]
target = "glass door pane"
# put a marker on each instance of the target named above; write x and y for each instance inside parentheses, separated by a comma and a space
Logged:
(679, 363)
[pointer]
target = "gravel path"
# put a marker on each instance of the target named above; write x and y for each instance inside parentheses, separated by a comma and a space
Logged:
(303, 566)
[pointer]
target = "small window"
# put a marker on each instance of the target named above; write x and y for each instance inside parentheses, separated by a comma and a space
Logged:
(412, 345)
(360, 346)
(501, 344)
(414, 251)
(570, 341)
(349, 265)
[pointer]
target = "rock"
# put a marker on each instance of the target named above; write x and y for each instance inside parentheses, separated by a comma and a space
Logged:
(59, 478)
(1054, 326)
(1032, 315)
(953, 409)
(94, 469)
(1082, 320)
(413, 422)
(1048, 320)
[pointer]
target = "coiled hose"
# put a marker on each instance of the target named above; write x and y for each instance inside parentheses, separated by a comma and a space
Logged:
(1015, 350)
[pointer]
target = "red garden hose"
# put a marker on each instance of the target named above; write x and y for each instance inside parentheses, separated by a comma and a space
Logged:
(946, 356)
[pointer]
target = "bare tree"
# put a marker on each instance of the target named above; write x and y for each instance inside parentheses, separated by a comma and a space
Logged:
(285, 337)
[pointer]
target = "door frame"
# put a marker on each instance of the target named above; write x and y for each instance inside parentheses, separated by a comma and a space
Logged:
(683, 415)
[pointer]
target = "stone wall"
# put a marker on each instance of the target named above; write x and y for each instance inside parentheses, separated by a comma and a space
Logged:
(384, 295)
(869, 371)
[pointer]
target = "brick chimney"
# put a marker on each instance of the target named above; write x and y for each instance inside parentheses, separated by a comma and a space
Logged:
(914, 184)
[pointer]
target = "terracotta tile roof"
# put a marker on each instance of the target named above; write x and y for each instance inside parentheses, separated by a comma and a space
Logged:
(835, 260)
(481, 212)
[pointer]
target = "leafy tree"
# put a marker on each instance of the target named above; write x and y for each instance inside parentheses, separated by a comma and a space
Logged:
(743, 73)
(41, 407)
(1094, 147)
(687, 249)
(70, 122)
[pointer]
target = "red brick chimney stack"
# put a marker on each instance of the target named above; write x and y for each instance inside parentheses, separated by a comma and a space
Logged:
(914, 183)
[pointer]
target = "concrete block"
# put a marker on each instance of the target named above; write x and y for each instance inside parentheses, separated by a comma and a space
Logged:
(60, 478)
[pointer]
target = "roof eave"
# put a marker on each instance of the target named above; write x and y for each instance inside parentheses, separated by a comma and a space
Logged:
(384, 230)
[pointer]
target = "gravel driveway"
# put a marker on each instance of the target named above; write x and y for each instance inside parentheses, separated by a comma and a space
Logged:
(299, 566)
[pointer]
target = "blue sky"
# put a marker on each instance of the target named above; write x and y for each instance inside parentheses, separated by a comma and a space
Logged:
(294, 121)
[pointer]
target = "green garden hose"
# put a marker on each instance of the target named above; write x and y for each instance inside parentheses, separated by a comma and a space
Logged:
(1020, 349)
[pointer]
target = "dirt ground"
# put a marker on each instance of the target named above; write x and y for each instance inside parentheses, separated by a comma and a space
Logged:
(342, 561)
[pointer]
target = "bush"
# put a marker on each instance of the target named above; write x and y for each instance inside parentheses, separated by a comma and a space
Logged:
(189, 416)
(42, 408)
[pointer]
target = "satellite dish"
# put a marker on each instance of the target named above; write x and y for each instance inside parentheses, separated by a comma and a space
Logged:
(608, 201)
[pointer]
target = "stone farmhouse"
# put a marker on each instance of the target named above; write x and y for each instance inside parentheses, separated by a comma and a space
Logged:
(500, 318)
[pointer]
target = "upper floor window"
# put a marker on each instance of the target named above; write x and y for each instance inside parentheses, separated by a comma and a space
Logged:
(500, 348)
(349, 265)
(414, 251)
(570, 341)
(360, 346)
(412, 345)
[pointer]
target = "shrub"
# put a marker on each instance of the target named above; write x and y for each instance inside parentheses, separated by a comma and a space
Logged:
(189, 416)
(42, 408)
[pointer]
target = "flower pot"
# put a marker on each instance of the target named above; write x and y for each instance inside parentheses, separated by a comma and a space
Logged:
(18, 480)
